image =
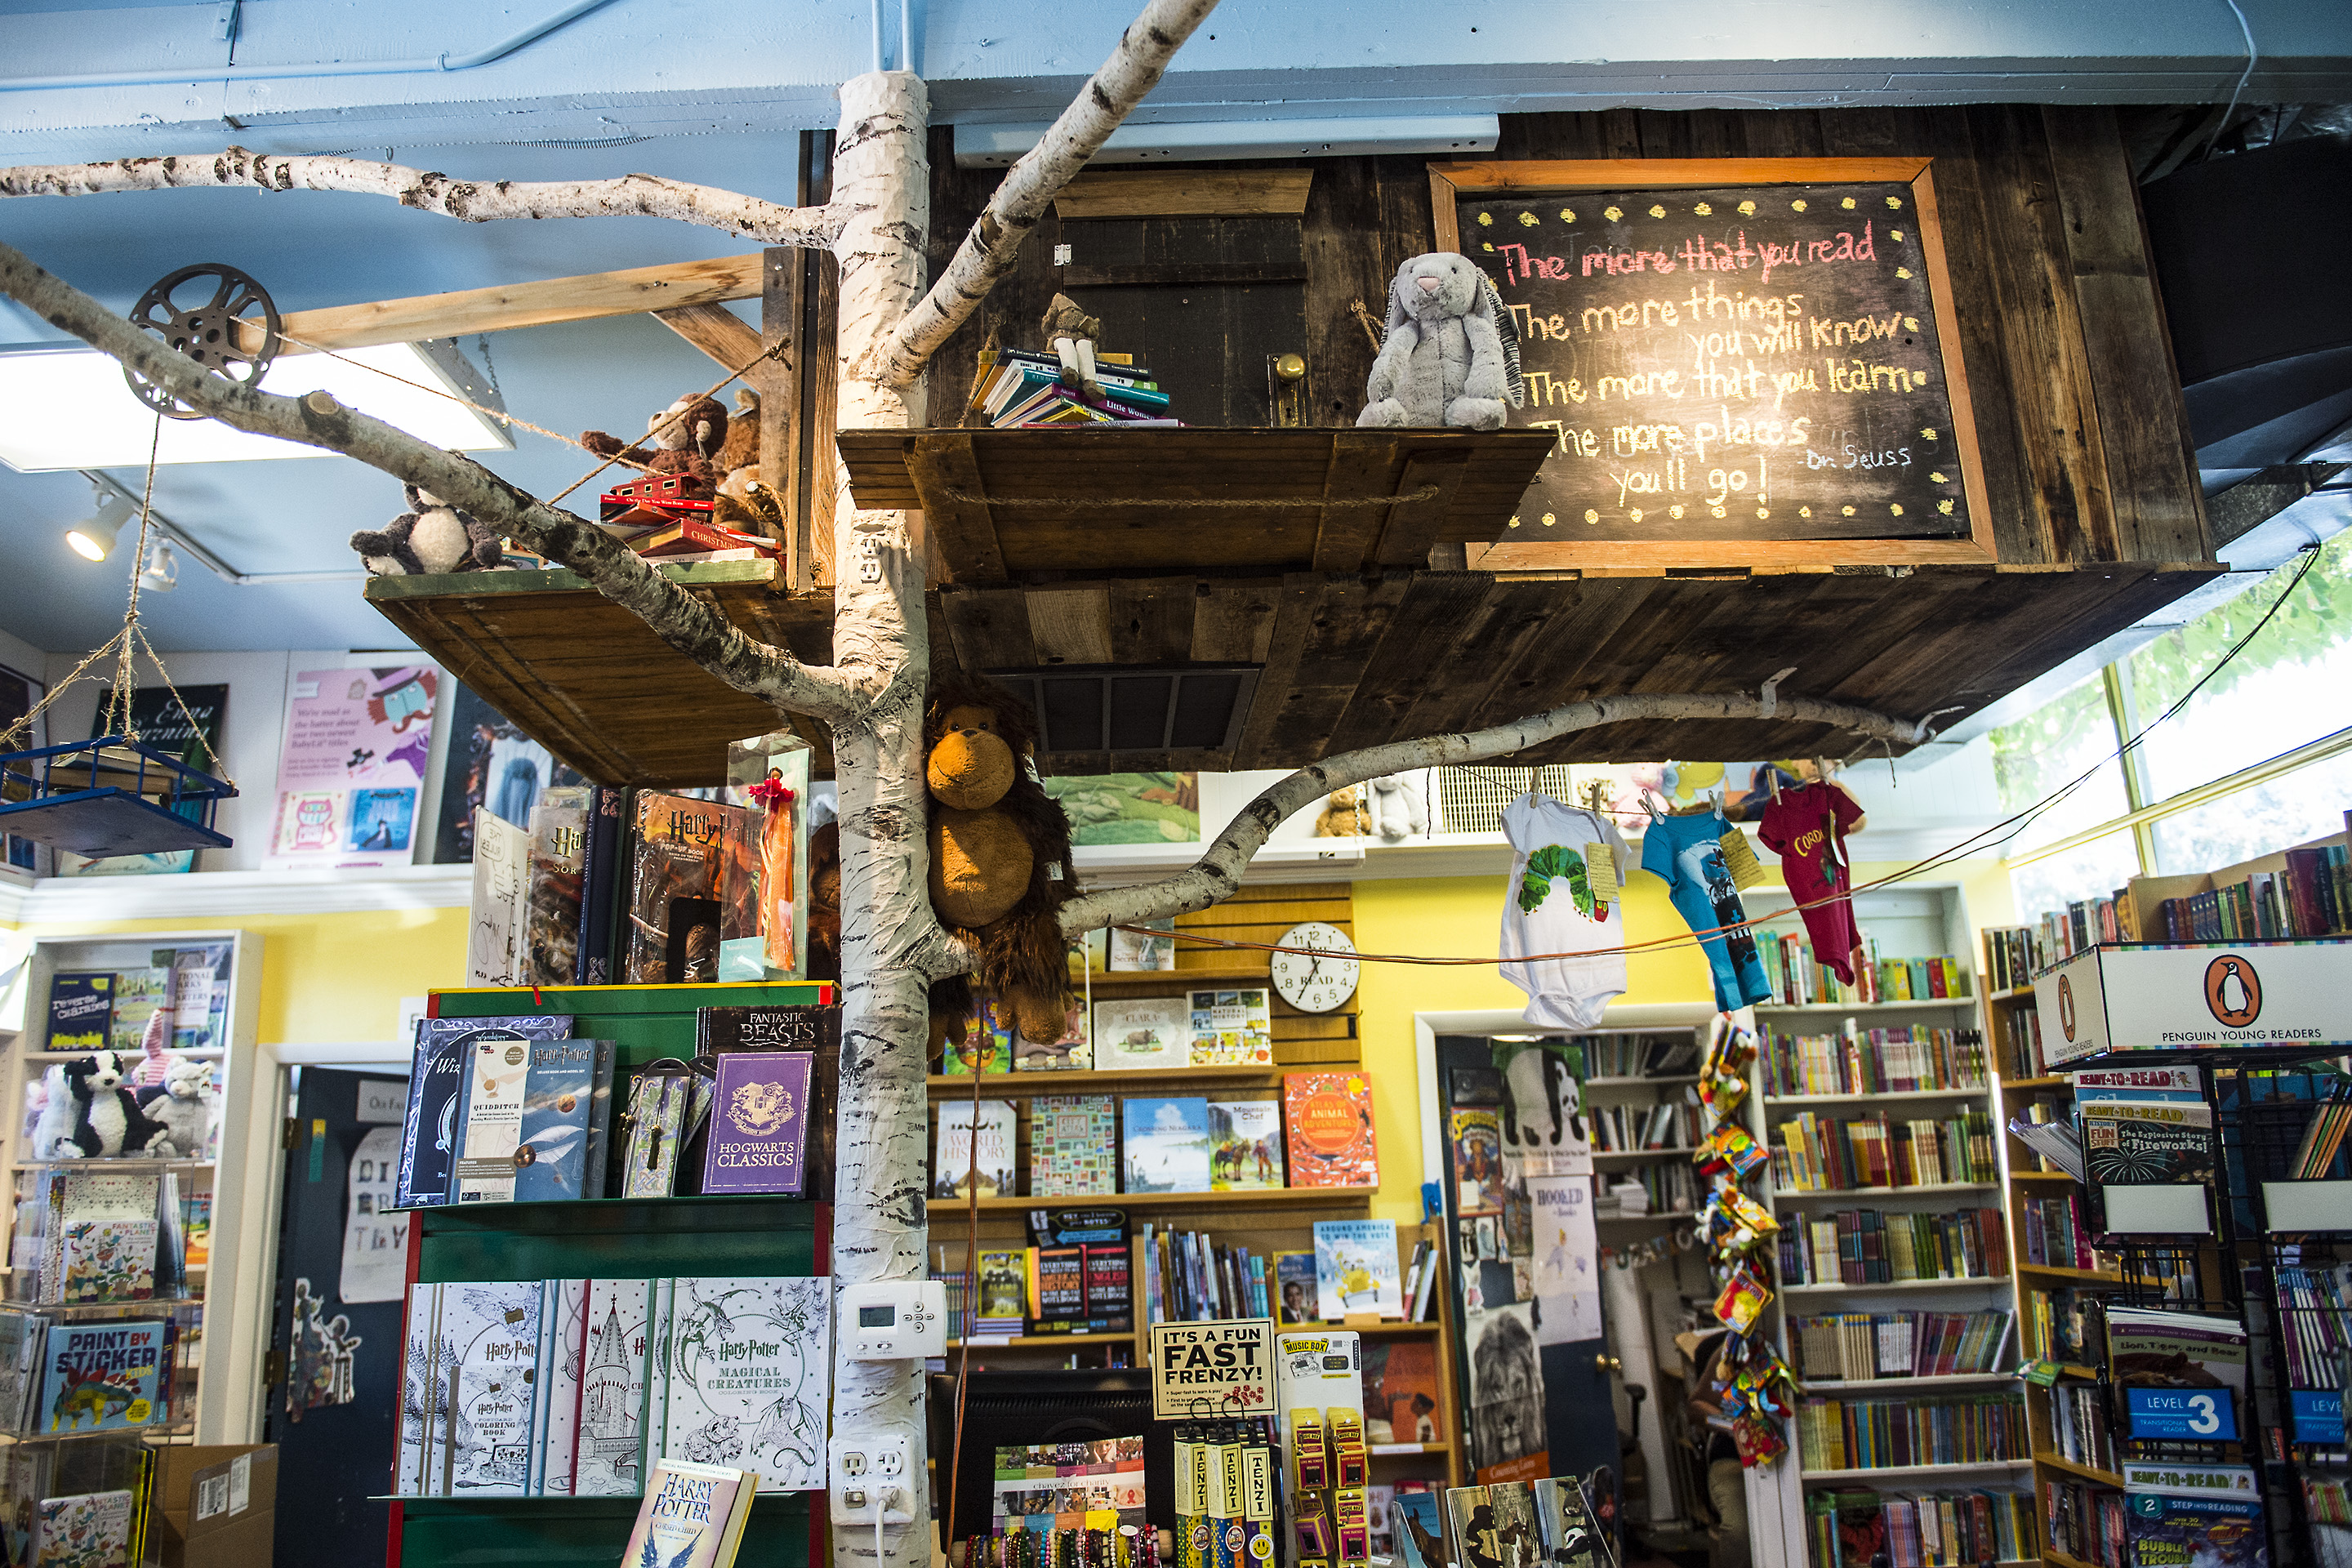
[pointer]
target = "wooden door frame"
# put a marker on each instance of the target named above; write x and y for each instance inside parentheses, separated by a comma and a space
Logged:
(1449, 183)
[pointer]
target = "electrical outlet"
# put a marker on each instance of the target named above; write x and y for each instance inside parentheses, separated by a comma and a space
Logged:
(872, 1472)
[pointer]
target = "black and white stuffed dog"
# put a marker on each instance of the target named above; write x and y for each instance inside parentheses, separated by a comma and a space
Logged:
(106, 1116)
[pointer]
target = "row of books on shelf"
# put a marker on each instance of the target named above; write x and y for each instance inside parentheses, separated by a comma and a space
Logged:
(89, 1236)
(1798, 979)
(1859, 1346)
(2067, 1326)
(1867, 1246)
(1874, 1061)
(89, 1376)
(1318, 1134)
(1857, 1527)
(2080, 1428)
(1625, 1129)
(1814, 1154)
(2208, 1515)
(2018, 1043)
(1229, 1026)
(576, 1387)
(1666, 1054)
(2086, 1521)
(1352, 1270)
(2311, 896)
(80, 1505)
(1890, 1434)
(1663, 1188)
(515, 1109)
(117, 1009)
(1076, 1277)
(2057, 1235)
(2314, 1302)
(1019, 389)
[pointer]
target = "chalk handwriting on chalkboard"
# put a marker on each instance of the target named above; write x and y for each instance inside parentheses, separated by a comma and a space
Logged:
(1726, 365)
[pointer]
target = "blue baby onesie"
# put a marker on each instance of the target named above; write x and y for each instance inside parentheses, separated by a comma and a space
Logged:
(1686, 852)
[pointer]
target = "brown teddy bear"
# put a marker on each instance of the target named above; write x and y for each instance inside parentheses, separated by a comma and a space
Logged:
(1000, 858)
(1343, 814)
(684, 438)
(825, 903)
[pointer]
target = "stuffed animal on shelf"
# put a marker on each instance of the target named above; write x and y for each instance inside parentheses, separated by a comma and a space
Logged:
(1451, 354)
(825, 903)
(1399, 806)
(184, 1107)
(1000, 858)
(99, 1115)
(1070, 332)
(744, 500)
(1343, 814)
(428, 539)
(684, 438)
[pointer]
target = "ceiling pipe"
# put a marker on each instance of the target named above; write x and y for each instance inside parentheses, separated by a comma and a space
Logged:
(195, 547)
(440, 62)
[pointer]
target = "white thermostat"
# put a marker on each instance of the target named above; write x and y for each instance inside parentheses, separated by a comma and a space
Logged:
(896, 1320)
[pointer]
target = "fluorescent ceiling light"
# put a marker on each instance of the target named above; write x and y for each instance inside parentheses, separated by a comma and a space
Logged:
(997, 146)
(70, 408)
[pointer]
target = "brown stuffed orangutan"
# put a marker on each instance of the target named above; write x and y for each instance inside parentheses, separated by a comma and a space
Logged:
(1000, 858)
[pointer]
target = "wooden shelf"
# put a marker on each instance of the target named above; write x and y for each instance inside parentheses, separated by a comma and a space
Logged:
(2052, 1080)
(2087, 1472)
(1906, 1286)
(1220, 975)
(1038, 1342)
(1911, 1006)
(2019, 994)
(1026, 1085)
(1914, 1472)
(1256, 1197)
(2054, 1272)
(2040, 1176)
(1654, 1217)
(1977, 1093)
(1639, 1156)
(1405, 1450)
(1935, 1190)
(1639, 1082)
(2051, 1554)
(1898, 1384)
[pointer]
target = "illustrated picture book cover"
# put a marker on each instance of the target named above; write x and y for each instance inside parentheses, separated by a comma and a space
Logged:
(1328, 1128)
(1145, 1032)
(1356, 1268)
(955, 1162)
(748, 1377)
(693, 1516)
(1166, 1144)
(1245, 1143)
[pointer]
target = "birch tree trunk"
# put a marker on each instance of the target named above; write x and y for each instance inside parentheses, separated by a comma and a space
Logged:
(891, 944)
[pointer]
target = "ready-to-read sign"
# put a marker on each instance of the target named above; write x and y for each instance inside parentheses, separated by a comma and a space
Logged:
(1740, 363)
(1212, 1369)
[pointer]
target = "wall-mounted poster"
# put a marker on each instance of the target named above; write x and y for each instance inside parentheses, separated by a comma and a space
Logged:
(185, 725)
(1130, 808)
(351, 768)
(491, 764)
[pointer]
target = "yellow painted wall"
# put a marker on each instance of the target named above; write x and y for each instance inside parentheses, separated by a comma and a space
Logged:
(330, 978)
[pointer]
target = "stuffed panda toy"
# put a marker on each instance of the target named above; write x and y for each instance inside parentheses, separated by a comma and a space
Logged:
(430, 538)
(105, 1118)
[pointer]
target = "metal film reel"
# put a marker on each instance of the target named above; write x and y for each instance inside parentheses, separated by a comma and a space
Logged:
(212, 315)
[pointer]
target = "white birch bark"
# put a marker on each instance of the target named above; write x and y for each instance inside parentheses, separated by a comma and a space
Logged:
(470, 201)
(892, 945)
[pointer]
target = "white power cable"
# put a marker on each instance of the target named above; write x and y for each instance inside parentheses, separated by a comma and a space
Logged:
(2244, 77)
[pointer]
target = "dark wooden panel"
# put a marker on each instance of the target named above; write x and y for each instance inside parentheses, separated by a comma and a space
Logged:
(1204, 274)
(1585, 618)
(1493, 637)
(1405, 665)
(1150, 620)
(990, 627)
(1233, 619)
(1264, 734)
(1343, 212)
(2151, 466)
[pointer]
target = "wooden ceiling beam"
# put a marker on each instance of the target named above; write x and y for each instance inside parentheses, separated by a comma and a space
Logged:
(673, 286)
(717, 332)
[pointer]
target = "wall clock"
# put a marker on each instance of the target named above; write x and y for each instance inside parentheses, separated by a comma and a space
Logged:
(1319, 981)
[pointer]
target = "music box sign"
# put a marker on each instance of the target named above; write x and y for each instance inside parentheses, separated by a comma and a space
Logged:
(2202, 995)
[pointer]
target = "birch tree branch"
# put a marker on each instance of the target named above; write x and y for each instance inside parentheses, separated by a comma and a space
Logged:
(1219, 871)
(987, 252)
(640, 195)
(611, 568)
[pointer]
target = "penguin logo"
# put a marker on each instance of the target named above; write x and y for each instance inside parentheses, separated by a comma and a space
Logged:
(2066, 1004)
(2233, 993)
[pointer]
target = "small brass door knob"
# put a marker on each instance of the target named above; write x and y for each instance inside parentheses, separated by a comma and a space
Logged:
(1291, 367)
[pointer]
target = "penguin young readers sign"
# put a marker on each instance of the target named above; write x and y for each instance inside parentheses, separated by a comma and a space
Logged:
(2137, 997)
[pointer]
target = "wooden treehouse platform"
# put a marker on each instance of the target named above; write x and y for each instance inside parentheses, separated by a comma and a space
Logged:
(1062, 566)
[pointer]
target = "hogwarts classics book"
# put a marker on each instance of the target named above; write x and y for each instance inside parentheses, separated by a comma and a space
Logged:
(759, 1123)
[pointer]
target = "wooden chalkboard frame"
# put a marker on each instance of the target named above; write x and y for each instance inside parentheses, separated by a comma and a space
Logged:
(1450, 183)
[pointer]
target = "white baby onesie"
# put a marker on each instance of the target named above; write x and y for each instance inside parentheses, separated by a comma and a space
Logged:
(1551, 906)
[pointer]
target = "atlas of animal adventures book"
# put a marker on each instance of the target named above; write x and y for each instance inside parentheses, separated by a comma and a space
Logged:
(1328, 1124)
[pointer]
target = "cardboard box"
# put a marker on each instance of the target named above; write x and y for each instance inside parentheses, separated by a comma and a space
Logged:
(215, 1507)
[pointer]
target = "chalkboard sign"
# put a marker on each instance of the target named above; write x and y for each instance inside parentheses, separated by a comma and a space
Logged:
(1738, 363)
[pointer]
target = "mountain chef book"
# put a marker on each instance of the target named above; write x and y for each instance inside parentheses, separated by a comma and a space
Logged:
(749, 1373)
(693, 1517)
(101, 1375)
(759, 1123)
(1245, 1143)
(1327, 1122)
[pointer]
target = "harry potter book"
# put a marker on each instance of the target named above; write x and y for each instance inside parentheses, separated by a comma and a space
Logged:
(693, 1517)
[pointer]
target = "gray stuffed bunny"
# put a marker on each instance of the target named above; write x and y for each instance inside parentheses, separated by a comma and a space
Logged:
(1450, 356)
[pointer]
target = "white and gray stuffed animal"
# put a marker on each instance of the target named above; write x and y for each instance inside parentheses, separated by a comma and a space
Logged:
(429, 538)
(1399, 806)
(1451, 356)
(106, 1120)
(185, 1106)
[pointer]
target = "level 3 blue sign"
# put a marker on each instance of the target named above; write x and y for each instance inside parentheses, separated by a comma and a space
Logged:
(2189, 1414)
(2318, 1415)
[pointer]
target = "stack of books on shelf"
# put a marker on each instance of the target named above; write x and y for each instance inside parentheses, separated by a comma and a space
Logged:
(111, 1009)
(1853, 1346)
(2315, 1303)
(1624, 1129)
(1318, 1134)
(1018, 389)
(2021, 1055)
(2312, 895)
(1890, 1434)
(97, 1232)
(1639, 1055)
(1864, 1247)
(2086, 1521)
(1230, 1027)
(1798, 981)
(2079, 1431)
(1862, 1529)
(1354, 1270)
(2058, 1235)
(2066, 1326)
(81, 1505)
(1875, 1061)
(2013, 956)
(1813, 1153)
(1665, 1188)
(577, 1387)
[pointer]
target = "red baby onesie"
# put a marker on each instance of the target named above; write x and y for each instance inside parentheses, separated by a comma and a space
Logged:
(1806, 827)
